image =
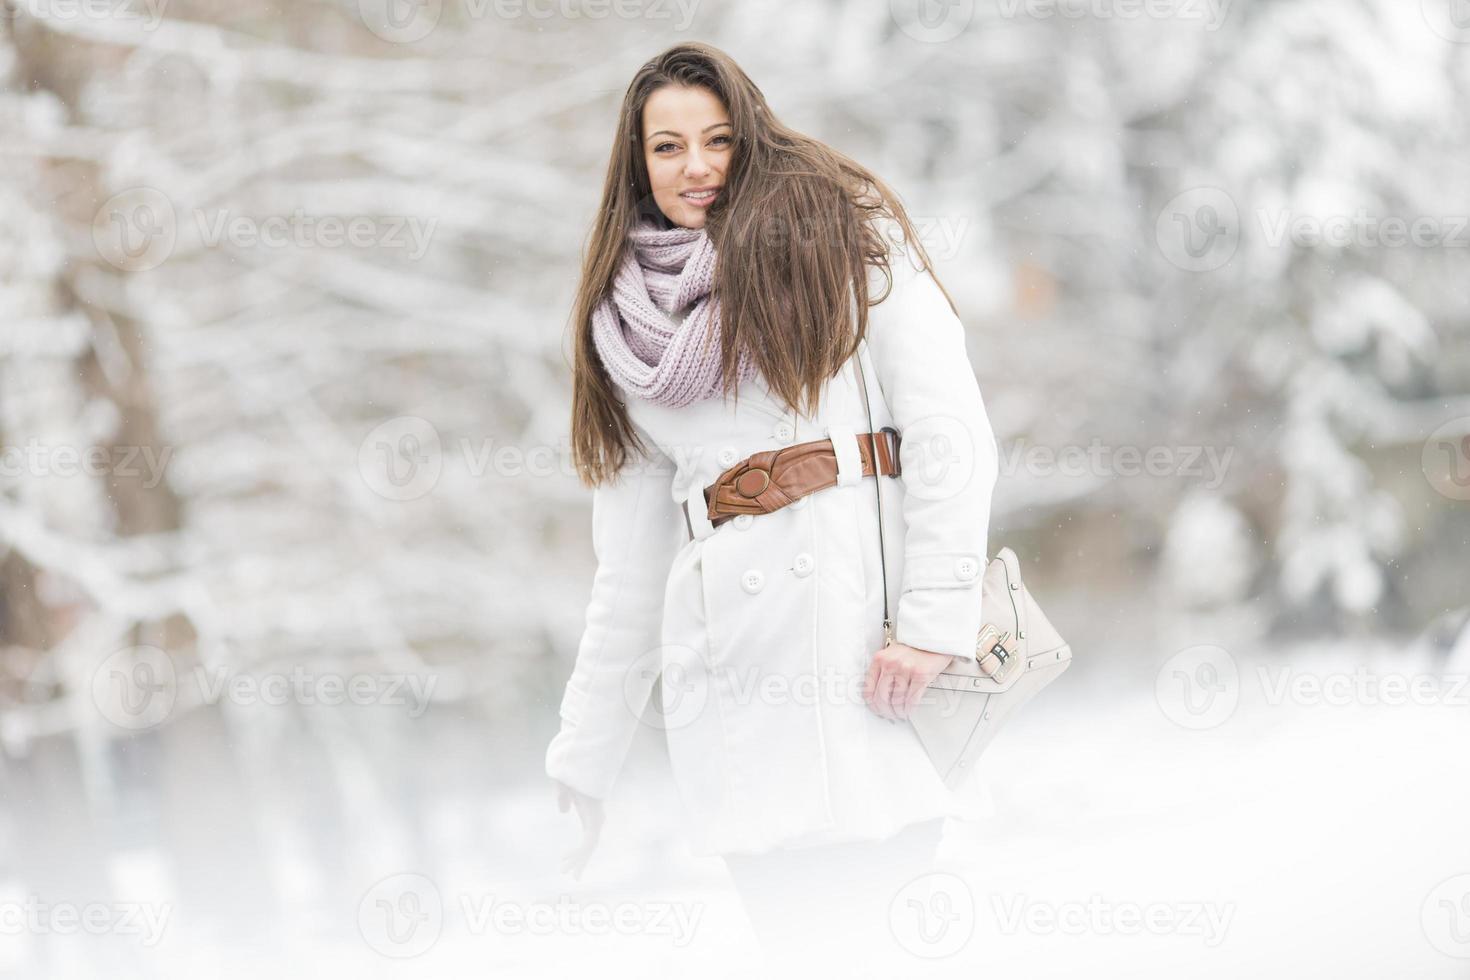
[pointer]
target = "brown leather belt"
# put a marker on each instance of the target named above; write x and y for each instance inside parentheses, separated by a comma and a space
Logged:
(767, 481)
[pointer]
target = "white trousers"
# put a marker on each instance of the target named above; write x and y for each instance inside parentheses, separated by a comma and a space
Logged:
(829, 906)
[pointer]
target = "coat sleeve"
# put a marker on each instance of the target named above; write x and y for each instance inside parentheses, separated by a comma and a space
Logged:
(636, 530)
(949, 460)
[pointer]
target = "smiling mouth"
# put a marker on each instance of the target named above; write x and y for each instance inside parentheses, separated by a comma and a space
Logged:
(700, 197)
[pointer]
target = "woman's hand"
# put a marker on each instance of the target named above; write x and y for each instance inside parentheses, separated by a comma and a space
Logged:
(589, 811)
(897, 678)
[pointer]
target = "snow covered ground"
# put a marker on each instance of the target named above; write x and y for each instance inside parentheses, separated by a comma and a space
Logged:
(1216, 815)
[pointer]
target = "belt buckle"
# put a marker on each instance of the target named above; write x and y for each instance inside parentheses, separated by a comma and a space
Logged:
(893, 441)
(749, 490)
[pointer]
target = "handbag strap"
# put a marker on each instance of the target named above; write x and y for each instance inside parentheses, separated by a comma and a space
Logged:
(877, 484)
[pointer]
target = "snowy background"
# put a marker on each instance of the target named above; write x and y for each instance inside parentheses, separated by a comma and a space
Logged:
(293, 560)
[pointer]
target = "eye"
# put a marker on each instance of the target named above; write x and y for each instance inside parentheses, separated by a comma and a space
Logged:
(660, 147)
(723, 139)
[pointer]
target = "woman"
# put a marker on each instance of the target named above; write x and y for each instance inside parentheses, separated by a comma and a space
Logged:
(726, 286)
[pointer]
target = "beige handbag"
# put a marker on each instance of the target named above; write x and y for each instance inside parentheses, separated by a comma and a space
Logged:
(1017, 653)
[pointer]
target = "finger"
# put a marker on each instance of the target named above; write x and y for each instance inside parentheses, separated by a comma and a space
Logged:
(589, 811)
(885, 694)
(875, 699)
(916, 693)
(897, 691)
(584, 857)
(899, 697)
(575, 860)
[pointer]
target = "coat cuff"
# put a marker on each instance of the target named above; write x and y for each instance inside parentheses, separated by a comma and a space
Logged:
(939, 608)
(569, 751)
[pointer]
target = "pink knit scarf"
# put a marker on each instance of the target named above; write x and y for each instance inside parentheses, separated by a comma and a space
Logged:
(643, 349)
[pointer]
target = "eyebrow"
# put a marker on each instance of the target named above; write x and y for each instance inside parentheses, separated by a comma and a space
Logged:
(672, 133)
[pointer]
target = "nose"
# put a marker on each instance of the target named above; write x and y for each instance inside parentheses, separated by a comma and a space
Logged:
(695, 164)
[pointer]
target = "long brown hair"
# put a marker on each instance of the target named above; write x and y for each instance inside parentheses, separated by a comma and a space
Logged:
(794, 232)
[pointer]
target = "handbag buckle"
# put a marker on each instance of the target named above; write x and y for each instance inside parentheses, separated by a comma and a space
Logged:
(995, 651)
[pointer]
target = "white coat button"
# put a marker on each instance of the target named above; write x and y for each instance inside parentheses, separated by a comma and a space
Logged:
(965, 568)
(752, 581)
(802, 565)
(728, 457)
(784, 432)
(742, 521)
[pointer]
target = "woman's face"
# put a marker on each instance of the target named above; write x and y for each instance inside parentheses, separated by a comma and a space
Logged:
(686, 146)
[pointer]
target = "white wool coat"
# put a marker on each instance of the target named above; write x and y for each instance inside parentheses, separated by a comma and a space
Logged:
(762, 629)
